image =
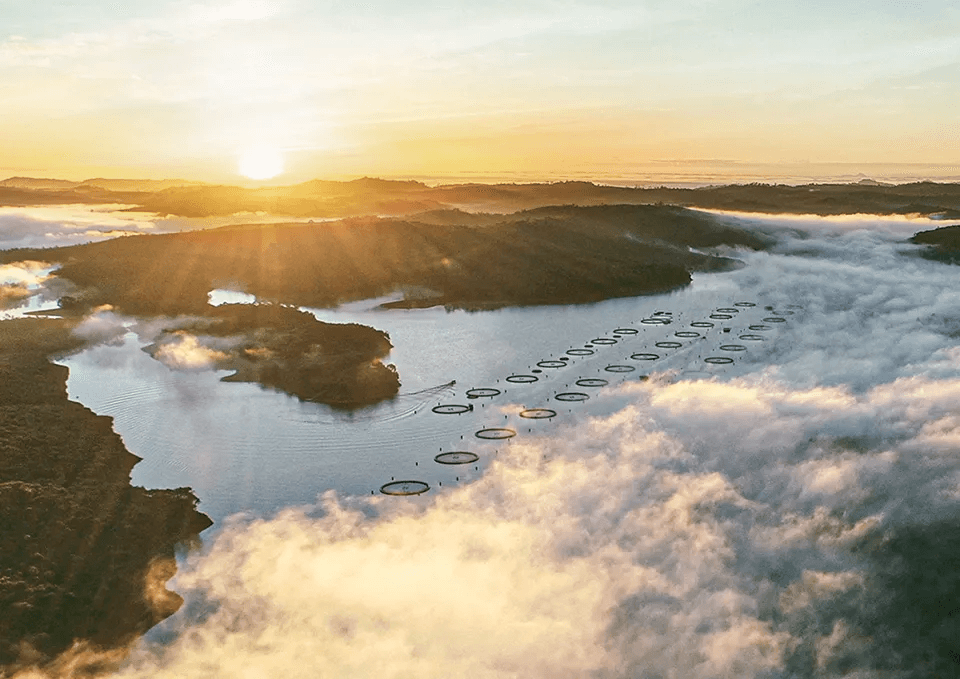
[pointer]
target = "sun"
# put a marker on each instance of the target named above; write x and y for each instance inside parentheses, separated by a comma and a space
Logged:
(260, 162)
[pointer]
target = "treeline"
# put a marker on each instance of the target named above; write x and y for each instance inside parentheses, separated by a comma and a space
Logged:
(562, 255)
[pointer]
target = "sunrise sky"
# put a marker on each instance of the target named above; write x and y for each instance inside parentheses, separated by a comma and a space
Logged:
(520, 88)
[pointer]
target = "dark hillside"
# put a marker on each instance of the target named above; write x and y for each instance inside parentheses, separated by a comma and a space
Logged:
(559, 255)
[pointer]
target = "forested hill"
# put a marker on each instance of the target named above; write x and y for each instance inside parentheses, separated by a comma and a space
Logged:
(558, 255)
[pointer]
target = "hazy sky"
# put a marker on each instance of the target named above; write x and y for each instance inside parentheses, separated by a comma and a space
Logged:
(557, 87)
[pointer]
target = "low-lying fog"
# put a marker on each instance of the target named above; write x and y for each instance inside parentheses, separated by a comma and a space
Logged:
(794, 515)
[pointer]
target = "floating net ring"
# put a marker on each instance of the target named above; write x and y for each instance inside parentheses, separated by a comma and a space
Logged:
(718, 360)
(456, 457)
(603, 340)
(495, 433)
(404, 488)
(663, 313)
(581, 352)
(569, 396)
(745, 304)
(551, 364)
(732, 347)
(592, 382)
(655, 321)
(774, 319)
(669, 345)
(625, 331)
(759, 327)
(721, 317)
(728, 310)
(702, 324)
(686, 334)
(522, 379)
(752, 338)
(616, 368)
(644, 357)
(452, 409)
(482, 392)
(538, 413)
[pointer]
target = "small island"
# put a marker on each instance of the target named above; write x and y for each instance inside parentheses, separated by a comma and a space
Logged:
(283, 348)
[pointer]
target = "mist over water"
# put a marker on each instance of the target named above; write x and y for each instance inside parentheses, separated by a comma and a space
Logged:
(792, 514)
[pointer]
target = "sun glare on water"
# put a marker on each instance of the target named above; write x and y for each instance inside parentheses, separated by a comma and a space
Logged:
(260, 162)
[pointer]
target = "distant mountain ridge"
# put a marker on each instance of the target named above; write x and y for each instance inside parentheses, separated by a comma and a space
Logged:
(386, 197)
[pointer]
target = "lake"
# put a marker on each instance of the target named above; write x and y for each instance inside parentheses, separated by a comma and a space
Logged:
(245, 448)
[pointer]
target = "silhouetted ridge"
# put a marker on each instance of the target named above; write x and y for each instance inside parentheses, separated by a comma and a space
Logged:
(562, 256)
(372, 196)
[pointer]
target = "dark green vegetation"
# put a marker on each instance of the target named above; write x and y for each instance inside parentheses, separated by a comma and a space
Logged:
(945, 243)
(83, 554)
(287, 349)
(562, 255)
(903, 621)
(918, 625)
(376, 196)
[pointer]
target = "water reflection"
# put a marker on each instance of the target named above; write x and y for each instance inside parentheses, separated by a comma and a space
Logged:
(245, 448)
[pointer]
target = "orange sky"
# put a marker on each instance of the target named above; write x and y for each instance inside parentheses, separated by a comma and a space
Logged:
(530, 88)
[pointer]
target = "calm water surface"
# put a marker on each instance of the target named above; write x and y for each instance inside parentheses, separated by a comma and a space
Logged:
(245, 448)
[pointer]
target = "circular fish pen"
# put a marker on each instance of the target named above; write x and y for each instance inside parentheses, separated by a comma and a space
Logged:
(603, 340)
(669, 345)
(686, 334)
(655, 321)
(482, 392)
(456, 457)
(774, 319)
(581, 352)
(592, 382)
(758, 327)
(538, 413)
(551, 364)
(718, 360)
(571, 396)
(745, 304)
(625, 331)
(522, 379)
(495, 434)
(732, 347)
(616, 368)
(702, 324)
(451, 409)
(644, 357)
(721, 317)
(404, 488)
(728, 310)
(752, 338)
